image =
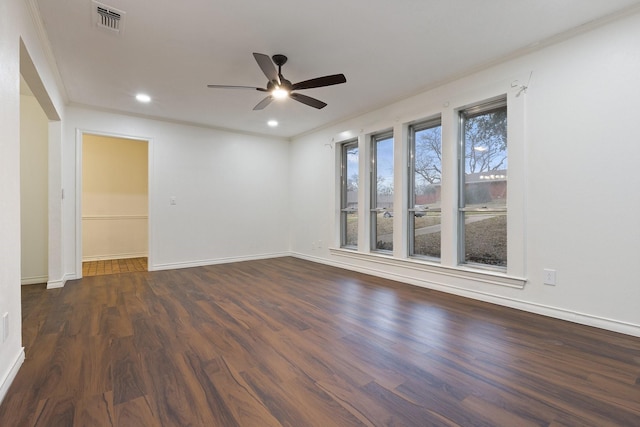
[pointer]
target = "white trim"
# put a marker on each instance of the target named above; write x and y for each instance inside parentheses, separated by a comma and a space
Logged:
(544, 310)
(151, 196)
(114, 217)
(78, 206)
(54, 284)
(226, 260)
(490, 277)
(34, 280)
(6, 382)
(115, 256)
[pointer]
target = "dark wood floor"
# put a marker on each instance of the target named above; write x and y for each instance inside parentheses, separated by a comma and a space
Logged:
(286, 342)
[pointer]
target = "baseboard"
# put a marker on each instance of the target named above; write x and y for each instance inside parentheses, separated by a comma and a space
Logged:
(227, 260)
(52, 284)
(6, 382)
(115, 256)
(34, 280)
(544, 310)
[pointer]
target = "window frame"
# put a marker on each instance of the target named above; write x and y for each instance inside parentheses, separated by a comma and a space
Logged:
(345, 210)
(411, 202)
(373, 187)
(464, 114)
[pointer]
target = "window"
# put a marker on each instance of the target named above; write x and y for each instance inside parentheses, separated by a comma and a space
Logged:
(482, 193)
(425, 174)
(382, 192)
(349, 195)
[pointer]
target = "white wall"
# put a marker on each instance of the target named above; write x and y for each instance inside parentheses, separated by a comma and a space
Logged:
(15, 25)
(115, 198)
(34, 190)
(10, 350)
(578, 159)
(231, 190)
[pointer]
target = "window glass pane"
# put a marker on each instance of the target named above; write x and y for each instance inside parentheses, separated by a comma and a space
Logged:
(485, 173)
(382, 203)
(484, 197)
(351, 236)
(426, 234)
(424, 220)
(485, 238)
(350, 181)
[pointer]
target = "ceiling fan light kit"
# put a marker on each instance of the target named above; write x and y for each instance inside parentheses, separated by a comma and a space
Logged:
(280, 88)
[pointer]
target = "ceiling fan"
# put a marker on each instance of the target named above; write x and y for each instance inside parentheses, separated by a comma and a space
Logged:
(279, 88)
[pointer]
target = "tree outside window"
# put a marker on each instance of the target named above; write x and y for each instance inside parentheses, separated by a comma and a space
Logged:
(349, 178)
(424, 210)
(382, 211)
(483, 185)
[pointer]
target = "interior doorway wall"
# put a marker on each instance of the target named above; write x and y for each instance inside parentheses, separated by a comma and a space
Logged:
(34, 187)
(114, 198)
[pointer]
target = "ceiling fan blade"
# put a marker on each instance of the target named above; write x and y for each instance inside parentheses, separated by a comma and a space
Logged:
(334, 79)
(236, 87)
(312, 102)
(267, 67)
(263, 103)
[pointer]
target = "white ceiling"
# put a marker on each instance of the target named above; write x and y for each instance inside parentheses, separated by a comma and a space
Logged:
(387, 49)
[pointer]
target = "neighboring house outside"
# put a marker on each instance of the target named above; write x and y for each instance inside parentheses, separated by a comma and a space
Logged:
(481, 187)
(486, 187)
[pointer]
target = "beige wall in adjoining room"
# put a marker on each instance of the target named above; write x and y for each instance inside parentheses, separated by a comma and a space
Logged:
(114, 198)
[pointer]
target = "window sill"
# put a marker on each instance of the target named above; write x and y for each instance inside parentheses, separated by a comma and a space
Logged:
(490, 277)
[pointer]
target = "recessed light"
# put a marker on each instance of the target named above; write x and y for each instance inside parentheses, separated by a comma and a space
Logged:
(143, 97)
(272, 123)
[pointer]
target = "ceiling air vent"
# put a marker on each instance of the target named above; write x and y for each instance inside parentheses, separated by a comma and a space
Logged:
(108, 18)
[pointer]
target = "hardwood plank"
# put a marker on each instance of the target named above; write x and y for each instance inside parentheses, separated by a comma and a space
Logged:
(56, 412)
(177, 396)
(95, 411)
(401, 411)
(496, 415)
(287, 342)
(222, 383)
(127, 371)
(135, 413)
(299, 402)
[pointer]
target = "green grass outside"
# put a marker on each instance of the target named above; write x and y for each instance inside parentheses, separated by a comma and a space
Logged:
(485, 241)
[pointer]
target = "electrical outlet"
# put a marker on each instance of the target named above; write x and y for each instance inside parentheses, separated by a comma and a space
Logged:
(549, 277)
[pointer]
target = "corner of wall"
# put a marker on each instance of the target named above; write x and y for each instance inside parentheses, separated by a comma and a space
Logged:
(6, 382)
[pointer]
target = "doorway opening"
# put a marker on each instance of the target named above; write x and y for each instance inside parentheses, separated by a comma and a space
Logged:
(40, 180)
(34, 189)
(114, 204)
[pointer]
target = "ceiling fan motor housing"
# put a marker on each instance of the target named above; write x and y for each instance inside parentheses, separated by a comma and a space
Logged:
(279, 59)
